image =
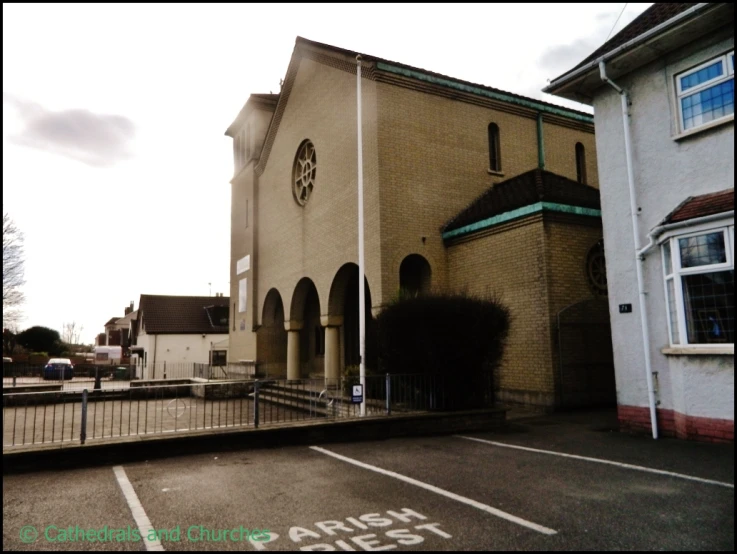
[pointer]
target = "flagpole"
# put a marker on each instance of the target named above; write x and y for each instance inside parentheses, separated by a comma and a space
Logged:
(361, 268)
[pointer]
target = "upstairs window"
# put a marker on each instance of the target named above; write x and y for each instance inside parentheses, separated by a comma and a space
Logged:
(706, 92)
(580, 163)
(495, 155)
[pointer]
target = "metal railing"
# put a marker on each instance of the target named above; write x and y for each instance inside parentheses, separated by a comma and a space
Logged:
(231, 371)
(109, 413)
(25, 376)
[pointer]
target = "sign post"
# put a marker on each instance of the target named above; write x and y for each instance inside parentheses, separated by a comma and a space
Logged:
(357, 395)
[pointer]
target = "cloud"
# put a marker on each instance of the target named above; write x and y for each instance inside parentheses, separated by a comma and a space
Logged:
(98, 140)
(563, 57)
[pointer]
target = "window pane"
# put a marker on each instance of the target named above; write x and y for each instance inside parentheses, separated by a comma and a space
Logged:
(667, 259)
(702, 75)
(672, 313)
(708, 105)
(703, 250)
(495, 163)
(709, 305)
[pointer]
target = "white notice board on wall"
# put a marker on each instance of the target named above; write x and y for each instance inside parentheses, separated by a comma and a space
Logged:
(242, 294)
(244, 264)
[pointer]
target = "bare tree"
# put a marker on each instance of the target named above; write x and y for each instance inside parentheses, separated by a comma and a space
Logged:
(71, 332)
(13, 271)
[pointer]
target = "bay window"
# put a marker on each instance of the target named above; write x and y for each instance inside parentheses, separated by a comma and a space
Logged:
(699, 287)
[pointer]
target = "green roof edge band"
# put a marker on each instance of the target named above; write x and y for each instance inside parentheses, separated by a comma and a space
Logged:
(520, 212)
(481, 92)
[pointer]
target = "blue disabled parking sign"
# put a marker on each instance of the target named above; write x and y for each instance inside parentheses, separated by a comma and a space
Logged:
(357, 396)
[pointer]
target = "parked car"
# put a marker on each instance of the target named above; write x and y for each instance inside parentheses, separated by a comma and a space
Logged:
(59, 368)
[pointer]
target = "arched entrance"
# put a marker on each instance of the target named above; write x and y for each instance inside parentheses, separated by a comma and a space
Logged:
(271, 337)
(343, 318)
(305, 348)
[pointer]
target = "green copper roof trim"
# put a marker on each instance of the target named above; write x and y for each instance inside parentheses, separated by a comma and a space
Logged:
(521, 212)
(482, 92)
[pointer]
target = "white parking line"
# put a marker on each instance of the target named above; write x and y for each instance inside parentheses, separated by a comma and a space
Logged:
(600, 461)
(144, 524)
(457, 497)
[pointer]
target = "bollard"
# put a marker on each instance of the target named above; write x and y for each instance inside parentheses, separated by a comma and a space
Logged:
(83, 428)
(388, 395)
(256, 387)
(98, 384)
(14, 378)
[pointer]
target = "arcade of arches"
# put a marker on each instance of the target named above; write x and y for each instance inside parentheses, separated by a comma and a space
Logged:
(322, 336)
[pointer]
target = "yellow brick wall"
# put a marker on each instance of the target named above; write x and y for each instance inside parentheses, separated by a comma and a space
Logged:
(242, 343)
(567, 245)
(536, 267)
(560, 151)
(434, 160)
(425, 159)
(314, 241)
(509, 263)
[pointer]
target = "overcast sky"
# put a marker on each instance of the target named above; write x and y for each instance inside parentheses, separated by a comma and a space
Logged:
(115, 163)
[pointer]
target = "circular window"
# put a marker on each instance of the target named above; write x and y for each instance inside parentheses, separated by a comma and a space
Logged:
(303, 174)
(596, 269)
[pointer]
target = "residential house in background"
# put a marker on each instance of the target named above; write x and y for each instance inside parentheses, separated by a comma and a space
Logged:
(118, 331)
(467, 187)
(177, 330)
(663, 94)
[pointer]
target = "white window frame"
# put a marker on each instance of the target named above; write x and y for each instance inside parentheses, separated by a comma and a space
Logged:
(727, 61)
(677, 273)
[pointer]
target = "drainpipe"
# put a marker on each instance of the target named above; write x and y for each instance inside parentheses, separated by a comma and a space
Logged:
(540, 142)
(639, 259)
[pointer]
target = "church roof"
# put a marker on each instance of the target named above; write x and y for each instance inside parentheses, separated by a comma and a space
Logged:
(454, 83)
(526, 189)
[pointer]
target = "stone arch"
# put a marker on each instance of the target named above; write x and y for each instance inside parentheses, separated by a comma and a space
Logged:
(271, 337)
(343, 313)
(273, 308)
(415, 275)
(304, 319)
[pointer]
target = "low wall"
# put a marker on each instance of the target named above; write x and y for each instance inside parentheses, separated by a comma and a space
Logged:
(162, 446)
(31, 388)
(228, 389)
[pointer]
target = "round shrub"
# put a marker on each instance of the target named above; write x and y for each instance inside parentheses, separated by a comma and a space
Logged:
(456, 338)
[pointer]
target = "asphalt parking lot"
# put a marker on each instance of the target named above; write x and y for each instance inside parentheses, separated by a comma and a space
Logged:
(485, 491)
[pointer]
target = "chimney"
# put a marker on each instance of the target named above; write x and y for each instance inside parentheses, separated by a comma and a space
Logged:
(129, 310)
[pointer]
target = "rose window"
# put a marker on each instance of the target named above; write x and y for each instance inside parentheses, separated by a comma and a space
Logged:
(596, 269)
(305, 168)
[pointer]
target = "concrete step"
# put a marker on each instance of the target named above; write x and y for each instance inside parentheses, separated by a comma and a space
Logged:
(300, 397)
(303, 404)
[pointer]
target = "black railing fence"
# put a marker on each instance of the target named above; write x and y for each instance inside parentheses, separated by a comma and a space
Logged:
(149, 408)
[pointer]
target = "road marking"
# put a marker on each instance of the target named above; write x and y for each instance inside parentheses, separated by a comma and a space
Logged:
(608, 462)
(144, 525)
(457, 497)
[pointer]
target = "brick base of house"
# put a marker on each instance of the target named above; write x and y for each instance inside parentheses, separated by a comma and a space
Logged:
(675, 424)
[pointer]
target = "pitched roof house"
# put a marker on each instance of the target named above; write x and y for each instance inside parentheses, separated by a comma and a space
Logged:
(178, 330)
(663, 96)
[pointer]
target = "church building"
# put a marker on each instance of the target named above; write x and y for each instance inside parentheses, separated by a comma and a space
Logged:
(467, 188)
